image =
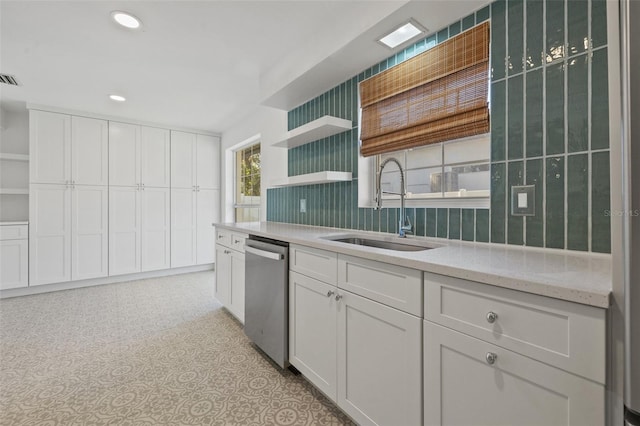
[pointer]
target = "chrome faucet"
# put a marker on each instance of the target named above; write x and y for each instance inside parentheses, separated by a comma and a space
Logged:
(404, 224)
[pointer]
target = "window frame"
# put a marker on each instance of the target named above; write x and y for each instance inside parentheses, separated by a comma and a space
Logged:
(256, 201)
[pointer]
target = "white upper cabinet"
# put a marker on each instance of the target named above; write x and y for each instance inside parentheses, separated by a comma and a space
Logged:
(124, 154)
(195, 161)
(156, 157)
(49, 147)
(89, 151)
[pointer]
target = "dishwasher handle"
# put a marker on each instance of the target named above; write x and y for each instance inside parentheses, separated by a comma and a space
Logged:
(264, 253)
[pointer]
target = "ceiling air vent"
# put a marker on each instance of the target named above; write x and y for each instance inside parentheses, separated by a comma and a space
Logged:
(8, 79)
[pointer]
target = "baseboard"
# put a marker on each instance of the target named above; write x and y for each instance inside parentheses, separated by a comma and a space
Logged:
(25, 291)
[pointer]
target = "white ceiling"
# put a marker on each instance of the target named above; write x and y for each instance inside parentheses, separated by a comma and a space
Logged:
(196, 64)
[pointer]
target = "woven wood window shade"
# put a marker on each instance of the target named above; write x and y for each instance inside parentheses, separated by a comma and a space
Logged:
(436, 96)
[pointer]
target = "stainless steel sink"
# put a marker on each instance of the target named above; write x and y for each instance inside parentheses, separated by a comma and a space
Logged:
(383, 244)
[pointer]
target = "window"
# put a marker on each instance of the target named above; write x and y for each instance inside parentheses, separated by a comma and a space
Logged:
(247, 193)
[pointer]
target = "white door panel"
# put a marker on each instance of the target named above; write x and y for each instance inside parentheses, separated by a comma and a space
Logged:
(183, 227)
(124, 154)
(155, 156)
(207, 163)
(89, 231)
(89, 151)
(156, 229)
(207, 214)
(124, 230)
(49, 147)
(14, 264)
(183, 159)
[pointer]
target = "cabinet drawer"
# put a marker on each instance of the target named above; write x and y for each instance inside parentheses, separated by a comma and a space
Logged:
(223, 237)
(564, 334)
(391, 285)
(464, 385)
(237, 241)
(319, 264)
(14, 232)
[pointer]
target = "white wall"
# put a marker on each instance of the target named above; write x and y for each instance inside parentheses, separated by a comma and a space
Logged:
(270, 125)
(14, 136)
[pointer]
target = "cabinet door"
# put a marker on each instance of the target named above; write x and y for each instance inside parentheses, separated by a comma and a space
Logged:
(49, 234)
(156, 228)
(155, 154)
(89, 151)
(207, 214)
(183, 160)
(223, 275)
(124, 230)
(208, 162)
(379, 362)
(49, 147)
(462, 388)
(236, 293)
(89, 232)
(124, 154)
(312, 331)
(183, 227)
(14, 264)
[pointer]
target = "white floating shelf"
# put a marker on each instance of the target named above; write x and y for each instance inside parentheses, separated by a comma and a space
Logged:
(321, 128)
(315, 178)
(14, 191)
(15, 157)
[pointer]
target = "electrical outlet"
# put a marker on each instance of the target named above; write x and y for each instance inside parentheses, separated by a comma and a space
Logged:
(523, 200)
(303, 205)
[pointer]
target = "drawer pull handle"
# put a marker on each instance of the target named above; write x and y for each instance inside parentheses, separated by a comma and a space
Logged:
(338, 297)
(220, 236)
(492, 317)
(330, 293)
(227, 252)
(236, 241)
(491, 358)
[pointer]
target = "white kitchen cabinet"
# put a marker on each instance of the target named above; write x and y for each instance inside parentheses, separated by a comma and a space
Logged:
(184, 227)
(207, 213)
(312, 331)
(469, 381)
(14, 256)
(67, 149)
(230, 275)
(138, 155)
(89, 232)
(138, 229)
(69, 233)
(195, 161)
(379, 362)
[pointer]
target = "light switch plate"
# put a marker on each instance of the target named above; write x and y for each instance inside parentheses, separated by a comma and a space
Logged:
(523, 200)
(303, 205)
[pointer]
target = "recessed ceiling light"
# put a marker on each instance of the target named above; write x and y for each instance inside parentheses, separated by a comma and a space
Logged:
(117, 98)
(125, 19)
(402, 34)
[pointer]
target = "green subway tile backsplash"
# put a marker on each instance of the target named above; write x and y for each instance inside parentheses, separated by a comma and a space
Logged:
(549, 128)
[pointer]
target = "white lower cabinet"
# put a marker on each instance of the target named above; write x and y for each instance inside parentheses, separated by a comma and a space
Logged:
(89, 232)
(230, 272)
(14, 256)
(471, 382)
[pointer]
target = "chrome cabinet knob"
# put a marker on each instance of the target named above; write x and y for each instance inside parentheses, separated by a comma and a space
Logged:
(338, 296)
(236, 241)
(330, 293)
(227, 252)
(491, 358)
(491, 317)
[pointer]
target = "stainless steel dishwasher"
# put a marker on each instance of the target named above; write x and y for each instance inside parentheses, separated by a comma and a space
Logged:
(266, 317)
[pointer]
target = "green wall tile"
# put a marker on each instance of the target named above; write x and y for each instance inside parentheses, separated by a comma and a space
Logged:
(498, 121)
(482, 14)
(411, 214)
(384, 220)
(516, 120)
(392, 220)
(442, 220)
(432, 222)
(535, 37)
(515, 36)
(454, 224)
(421, 222)
(555, 203)
(577, 26)
(498, 202)
(555, 109)
(599, 101)
(482, 225)
(468, 22)
(534, 115)
(578, 202)
(515, 224)
(468, 224)
(555, 42)
(498, 39)
(598, 22)
(454, 29)
(442, 35)
(578, 103)
(600, 203)
(375, 224)
(535, 224)
(361, 224)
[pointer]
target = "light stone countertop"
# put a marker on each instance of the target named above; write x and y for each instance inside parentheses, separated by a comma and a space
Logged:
(24, 222)
(568, 275)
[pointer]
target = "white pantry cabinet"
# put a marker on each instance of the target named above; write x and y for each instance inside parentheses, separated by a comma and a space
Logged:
(138, 155)
(67, 149)
(139, 229)
(68, 233)
(194, 161)
(230, 275)
(14, 256)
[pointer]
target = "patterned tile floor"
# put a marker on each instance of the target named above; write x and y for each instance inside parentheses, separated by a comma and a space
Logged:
(150, 352)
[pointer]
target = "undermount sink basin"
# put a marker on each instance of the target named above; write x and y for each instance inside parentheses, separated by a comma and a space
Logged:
(383, 244)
